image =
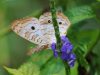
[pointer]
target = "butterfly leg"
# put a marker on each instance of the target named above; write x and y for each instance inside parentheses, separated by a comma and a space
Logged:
(37, 49)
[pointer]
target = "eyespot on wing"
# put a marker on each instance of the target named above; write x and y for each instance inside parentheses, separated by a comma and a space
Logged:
(47, 18)
(17, 25)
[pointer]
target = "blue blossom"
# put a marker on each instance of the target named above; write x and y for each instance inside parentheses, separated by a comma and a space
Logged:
(64, 39)
(71, 60)
(66, 51)
(55, 53)
(67, 47)
(71, 63)
(53, 47)
(69, 57)
(65, 56)
(72, 56)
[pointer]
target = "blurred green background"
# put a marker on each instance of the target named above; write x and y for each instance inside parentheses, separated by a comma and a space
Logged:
(84, 34)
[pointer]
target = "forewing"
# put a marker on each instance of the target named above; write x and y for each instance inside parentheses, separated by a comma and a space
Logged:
(24, 28)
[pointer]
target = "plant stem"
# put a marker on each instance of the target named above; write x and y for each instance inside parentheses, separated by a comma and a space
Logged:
(67, 68)
(55, 24)
(57, 33)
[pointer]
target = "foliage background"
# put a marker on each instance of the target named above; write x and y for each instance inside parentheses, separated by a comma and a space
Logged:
(84, 34)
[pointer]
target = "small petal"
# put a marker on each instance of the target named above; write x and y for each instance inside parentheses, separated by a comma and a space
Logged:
(55, 54)
(64, 39)
(65, 56)
(72, 59)
(72, 56)
(64, 48)
(53, 46)
(71, 63)
(69, 47)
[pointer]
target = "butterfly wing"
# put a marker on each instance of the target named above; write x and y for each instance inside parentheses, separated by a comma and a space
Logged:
(30, 29)
(40, 31)
(48, 29)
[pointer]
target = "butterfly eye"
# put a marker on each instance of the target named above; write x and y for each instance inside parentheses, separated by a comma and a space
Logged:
(33, 28)
(60, 22)
(49, 21)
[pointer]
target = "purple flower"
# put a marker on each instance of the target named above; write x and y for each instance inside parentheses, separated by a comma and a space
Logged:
(56, 53)
(72, 59)
(71, 63)
(66, 51)
(53, 47)
(72, 56)
(64, 39)
(65, 56)
(67, 47)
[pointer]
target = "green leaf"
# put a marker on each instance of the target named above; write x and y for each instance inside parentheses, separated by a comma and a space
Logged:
(56, 67)
(53, 67)
(82, 49)
(13, 71)
(41, 57)
(74, 69)
(98, 0)
(96, 9)
(79, 13)
(26, 69)
(80, 58)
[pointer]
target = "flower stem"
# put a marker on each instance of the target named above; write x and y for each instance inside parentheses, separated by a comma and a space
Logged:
(67, 68)
(55, 24)
(57, 33)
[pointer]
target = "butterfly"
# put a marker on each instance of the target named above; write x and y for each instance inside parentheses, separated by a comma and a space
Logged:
(40, 31)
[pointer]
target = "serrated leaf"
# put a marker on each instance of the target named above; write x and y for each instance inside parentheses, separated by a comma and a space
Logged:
(84, 39)
(26, 69)
(29, 69)
(83, 43)
(13, 71)
(80, 58)
(79, 13)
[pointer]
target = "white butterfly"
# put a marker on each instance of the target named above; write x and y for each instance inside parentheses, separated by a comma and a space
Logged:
(41, 31)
